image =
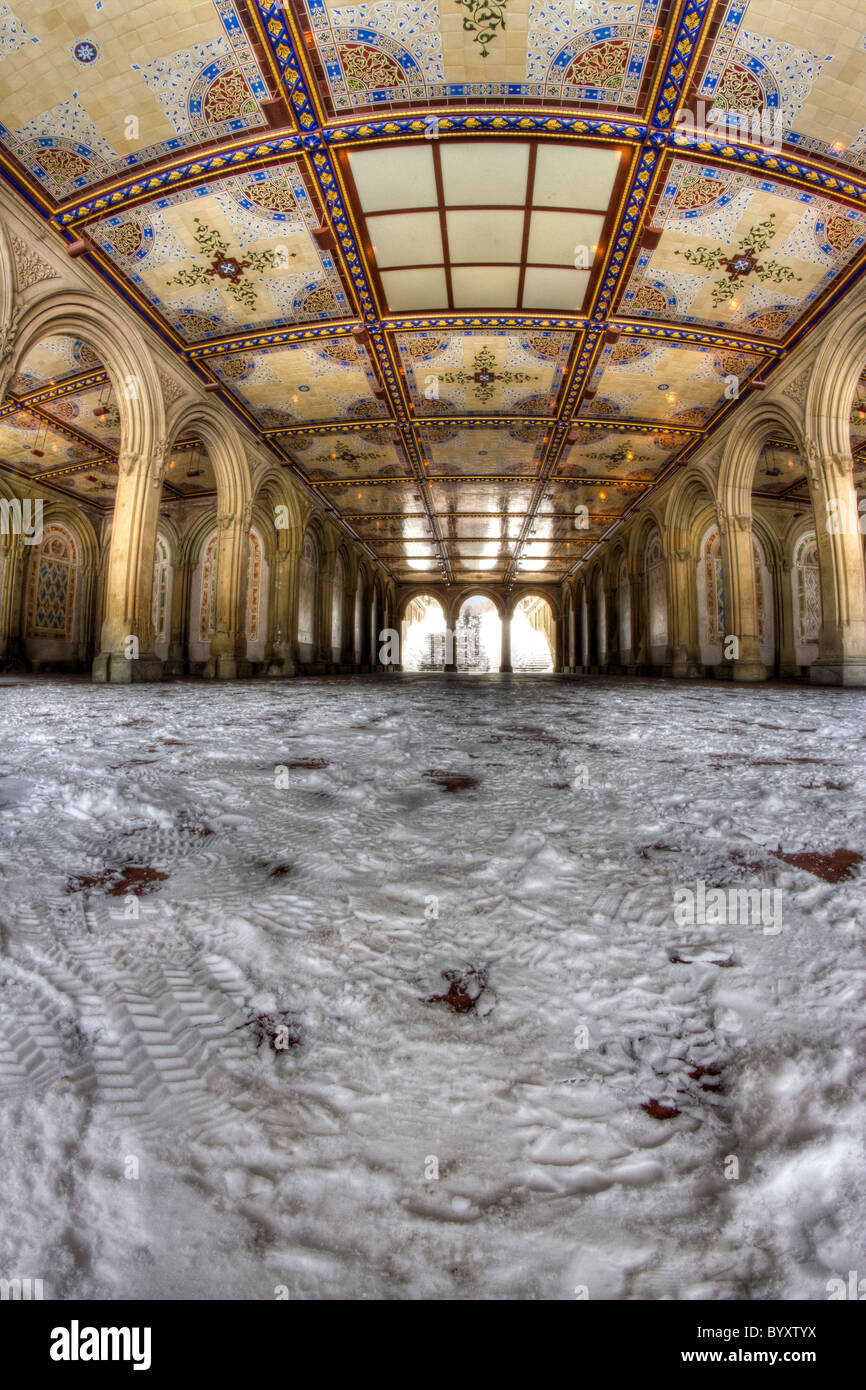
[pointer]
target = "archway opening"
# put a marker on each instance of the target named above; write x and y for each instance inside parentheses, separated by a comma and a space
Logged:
(532, 636)
(62, 432)
(424, 642)
(478, 636)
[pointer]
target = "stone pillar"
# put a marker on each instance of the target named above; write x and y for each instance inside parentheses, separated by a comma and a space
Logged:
(13, 560)
(284, 652)
(638, 624)
(841, 656)
(129, 585)
(505, 651)
(683, 614)
(227, 648)
(787, 650)
(177, 662)
(559, 645)
(741, 608)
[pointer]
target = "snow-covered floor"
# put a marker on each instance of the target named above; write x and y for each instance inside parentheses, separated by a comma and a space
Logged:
(332, 907)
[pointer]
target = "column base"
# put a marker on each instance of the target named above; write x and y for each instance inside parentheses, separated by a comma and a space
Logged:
(838, 670)
(748, 671)
(684, 665)
(503, 670)
(221, 668)
(109, 668)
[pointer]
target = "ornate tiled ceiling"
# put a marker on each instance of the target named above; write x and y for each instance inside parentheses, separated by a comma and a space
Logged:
(466, 269)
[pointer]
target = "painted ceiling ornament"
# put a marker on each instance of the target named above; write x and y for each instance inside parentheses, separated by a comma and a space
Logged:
(484, 376)
(344, 454)
(223, 266)
(85, 51)
(483, 19)
(603, 65)
(743, 263)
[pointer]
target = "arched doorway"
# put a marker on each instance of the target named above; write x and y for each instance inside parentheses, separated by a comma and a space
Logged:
(533, 636)
(478, 636)
(424, 639)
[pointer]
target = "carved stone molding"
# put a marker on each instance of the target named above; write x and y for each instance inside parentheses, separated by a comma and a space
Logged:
(29, 268)
(842, 463)
(171, 389)
(9, 334)
(159, 461)
(796, 390)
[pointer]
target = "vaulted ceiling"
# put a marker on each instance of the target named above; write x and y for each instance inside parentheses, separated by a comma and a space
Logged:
(465, 267)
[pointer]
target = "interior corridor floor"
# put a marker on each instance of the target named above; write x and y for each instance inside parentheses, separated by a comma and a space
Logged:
(227, 909)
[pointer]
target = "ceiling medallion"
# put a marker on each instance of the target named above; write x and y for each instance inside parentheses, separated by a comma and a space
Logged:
(224, 266)
(484, 376)
(482, 20)
(85, 51)
(744, 262)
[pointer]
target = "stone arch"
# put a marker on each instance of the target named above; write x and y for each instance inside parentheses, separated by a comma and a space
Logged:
(407, 596)
(832, 386)
(58, 591)
(234, 510)
(123, 352)
(833, 382)
(745, 441)
(459, 597)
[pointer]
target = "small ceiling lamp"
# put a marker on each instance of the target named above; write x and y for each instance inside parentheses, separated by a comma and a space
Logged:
(39, 441)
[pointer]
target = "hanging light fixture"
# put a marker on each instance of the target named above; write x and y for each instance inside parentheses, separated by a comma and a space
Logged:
(195, 469)
(40, 440)
(101, 410)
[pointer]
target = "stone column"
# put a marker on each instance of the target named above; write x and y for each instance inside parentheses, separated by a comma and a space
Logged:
(787, 648)
(228, 641)
(683, 614)
(127, 627)
(505, 651)
(13, 557)
(284, 655)
(177, 662)
(558, 633)
(841, 656)
(638, 624)
(741, 608)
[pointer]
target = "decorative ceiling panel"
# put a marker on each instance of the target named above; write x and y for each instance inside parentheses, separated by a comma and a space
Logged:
(372, 454)
(394, 53)
(333, 380)
(497, 373)
(91, 90)
(23, 437)
(453, 451)
(739, 253)
(92, 412)
(618, 454)
(802, 63)
(640, 380)
(52, 360)
(228, 257)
